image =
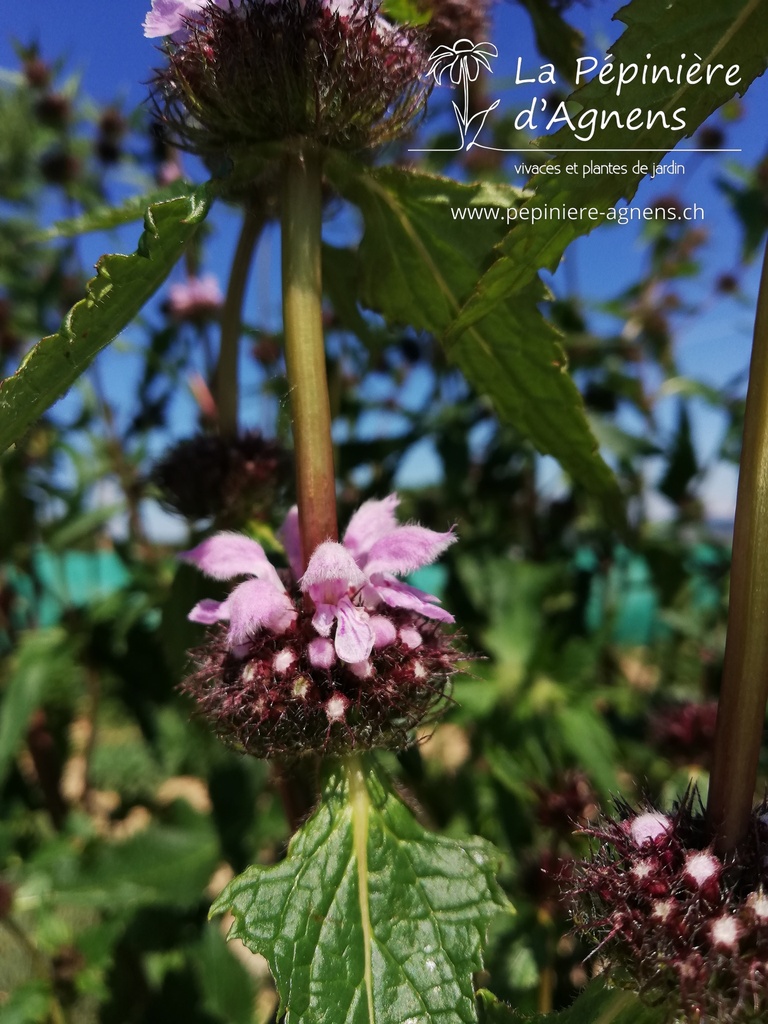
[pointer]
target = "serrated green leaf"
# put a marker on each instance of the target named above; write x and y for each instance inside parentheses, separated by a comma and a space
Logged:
(105, 218)
(370, 919)
(121, 287)
(730, 32)
(597, 1004)
(555, 38)
(418, 264)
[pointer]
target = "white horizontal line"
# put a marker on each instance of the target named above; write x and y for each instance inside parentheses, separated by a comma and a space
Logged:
(533, 152)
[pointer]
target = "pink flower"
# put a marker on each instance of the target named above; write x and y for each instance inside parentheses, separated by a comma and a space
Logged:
(195, 298)
(259, 603)
(383, 550)
(333, 580)
(172, 17)
(351, 586)
(348, 581)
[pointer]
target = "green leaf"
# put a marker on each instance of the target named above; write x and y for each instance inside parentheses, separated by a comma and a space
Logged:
(228, 989)
(30, 1003)
(105, 218)
(44, 658)
(597, 1004)
(555, 38)
(418, 264)
(748, 202)
(121, 287)
(730, 32)
(682, 466)
(167, 864)
(407, 11)
(370, 919)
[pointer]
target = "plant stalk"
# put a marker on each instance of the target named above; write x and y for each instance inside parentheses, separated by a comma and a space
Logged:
(304, 348)
(744, 690)
(226, 387)
(296, 783)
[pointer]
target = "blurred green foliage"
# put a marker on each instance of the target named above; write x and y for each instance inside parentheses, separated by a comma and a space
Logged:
(591, 663)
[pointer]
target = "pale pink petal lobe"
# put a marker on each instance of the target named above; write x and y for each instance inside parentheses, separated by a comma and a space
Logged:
(291, 538)
(256, 605)
(354, 636)
(207, 612)
(406, 549)
(401, 595)
(323, 619)
(372, 521)
(226, 555)
(331, 563)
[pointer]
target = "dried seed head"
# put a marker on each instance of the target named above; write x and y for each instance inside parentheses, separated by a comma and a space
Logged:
(233, 479)
(53, 109)
(685, 732)
(6, 899)
(569, 802)
(450, 20)
(247, 76)
(675, 921)
(37, 72)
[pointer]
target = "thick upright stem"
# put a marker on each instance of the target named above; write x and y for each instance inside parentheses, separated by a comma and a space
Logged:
(744, 692)
(226, 384)
(304, 349)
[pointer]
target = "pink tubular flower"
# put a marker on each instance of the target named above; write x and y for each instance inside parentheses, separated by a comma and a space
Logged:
(332, 579)
(346, 657)
(383, 550)
(348, 581)
(351, 585)
(171, 17)
(195, 298)
(259, 603)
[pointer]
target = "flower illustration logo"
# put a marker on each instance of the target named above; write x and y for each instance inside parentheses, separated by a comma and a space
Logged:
(463, 62)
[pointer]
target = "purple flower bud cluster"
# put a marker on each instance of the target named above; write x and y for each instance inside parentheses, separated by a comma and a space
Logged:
(342, 654)
(245, 74)
(674, 920)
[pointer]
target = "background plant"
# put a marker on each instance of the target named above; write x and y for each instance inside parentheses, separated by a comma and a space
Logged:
(601, 657)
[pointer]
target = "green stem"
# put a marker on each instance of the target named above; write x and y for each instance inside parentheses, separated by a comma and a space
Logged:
(744, 691)
(296, 783)
(304, 348)
(226, 387)
(360, 803)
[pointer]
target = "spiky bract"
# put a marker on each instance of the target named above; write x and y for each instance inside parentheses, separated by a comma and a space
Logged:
(269, 699)
(266, 74)
(685, 927)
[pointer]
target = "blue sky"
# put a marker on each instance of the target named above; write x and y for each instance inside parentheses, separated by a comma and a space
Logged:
(104, 42)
